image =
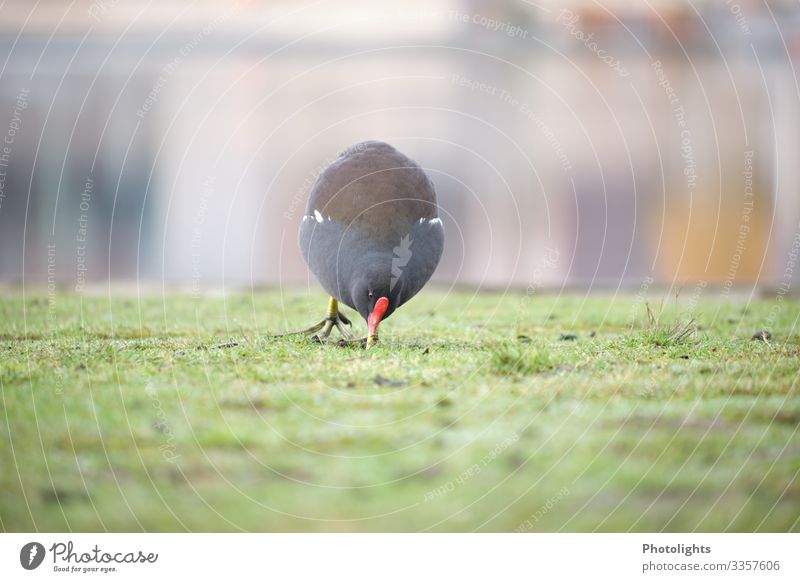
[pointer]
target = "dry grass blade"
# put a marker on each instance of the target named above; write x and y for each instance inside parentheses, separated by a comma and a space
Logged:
(667, 334)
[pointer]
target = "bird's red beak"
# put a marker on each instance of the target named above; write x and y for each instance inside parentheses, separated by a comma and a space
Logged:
(374, 319)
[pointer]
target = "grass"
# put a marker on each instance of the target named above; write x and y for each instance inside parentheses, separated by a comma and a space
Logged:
(480, 411)
(513, 359)
(665, 334)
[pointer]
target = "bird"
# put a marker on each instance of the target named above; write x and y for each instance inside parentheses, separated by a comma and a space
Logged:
(371, 235)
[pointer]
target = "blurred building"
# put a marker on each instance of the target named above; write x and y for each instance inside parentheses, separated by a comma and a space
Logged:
(599, 143)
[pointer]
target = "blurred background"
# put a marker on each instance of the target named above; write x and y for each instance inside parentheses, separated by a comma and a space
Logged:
(596, 144)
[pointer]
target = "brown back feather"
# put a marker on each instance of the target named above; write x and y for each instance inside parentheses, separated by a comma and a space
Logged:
(376, 188)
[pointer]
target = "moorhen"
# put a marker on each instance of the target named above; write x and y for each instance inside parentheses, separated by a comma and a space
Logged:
(371, 235)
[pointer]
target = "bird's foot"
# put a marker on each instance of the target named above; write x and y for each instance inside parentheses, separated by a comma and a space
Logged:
(319, 332)
(367, 342)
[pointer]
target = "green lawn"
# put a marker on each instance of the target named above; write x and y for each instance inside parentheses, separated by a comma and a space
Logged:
(475, 412)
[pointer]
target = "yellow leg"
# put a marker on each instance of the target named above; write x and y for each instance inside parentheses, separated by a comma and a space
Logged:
(333, 308)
